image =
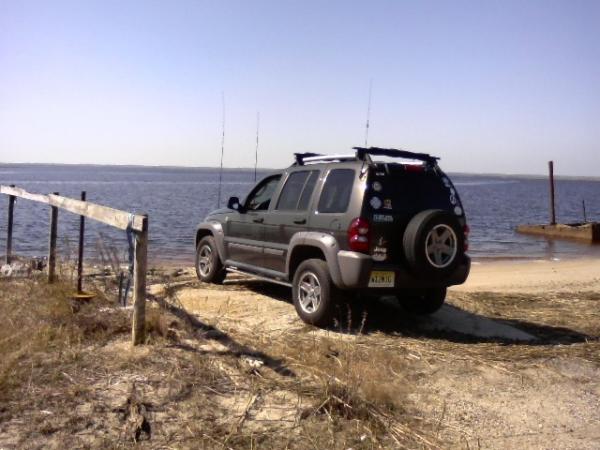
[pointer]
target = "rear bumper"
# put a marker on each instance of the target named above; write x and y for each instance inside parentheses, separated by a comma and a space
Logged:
(355, 271)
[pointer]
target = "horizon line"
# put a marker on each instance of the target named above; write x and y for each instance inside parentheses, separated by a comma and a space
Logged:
(271, 169)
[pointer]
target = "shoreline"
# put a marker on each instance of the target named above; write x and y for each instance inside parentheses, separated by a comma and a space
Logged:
(475, 260)
(576, 274)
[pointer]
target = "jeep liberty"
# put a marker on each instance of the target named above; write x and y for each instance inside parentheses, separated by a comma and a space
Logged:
(356, 222)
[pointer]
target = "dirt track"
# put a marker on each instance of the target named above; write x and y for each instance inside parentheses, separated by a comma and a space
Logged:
(513, 360)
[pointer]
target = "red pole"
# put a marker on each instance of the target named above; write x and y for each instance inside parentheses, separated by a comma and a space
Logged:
(552, 206)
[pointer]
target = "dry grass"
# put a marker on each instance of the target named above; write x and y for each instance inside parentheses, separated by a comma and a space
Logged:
(69, 378)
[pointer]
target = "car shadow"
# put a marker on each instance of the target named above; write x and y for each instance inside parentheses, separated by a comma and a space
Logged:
(386, 315)
(207, 331)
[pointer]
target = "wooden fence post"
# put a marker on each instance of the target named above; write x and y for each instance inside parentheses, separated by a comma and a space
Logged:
(9, 227)
(138, 328)
(81, 244)
(52, 245)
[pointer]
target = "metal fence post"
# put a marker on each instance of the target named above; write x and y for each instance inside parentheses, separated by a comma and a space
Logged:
(9, 227)
(81, 244)
(552, 202)
(52, 244)
(138, 327)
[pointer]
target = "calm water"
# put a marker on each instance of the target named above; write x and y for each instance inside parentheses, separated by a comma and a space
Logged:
(176, 199)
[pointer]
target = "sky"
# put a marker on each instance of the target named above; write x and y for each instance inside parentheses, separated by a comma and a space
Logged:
(489, 86)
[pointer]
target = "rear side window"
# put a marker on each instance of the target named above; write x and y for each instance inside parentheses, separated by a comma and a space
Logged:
(309, 187)
(297, 191)
(335, 195)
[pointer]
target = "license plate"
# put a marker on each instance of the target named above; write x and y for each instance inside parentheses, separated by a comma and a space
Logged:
(380, 278)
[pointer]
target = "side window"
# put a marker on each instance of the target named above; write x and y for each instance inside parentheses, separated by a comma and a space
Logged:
(335, 195)
(297, 191)
(309, 187)
(292, 190)
(260, 198)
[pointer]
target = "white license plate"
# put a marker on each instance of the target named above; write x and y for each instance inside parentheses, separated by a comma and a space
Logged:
(381, 278)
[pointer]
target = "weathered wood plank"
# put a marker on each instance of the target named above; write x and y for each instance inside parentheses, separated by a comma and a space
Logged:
(104, 214)
(21, 193)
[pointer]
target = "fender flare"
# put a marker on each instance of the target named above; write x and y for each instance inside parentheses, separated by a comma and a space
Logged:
(215, 229)
(324, 242)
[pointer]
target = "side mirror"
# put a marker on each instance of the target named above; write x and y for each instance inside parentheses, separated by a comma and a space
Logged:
(234, 203)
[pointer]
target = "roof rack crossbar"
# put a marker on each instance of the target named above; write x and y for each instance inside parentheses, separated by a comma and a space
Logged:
(361, 152)
(325, 158)
(303, 158)
(300, 157)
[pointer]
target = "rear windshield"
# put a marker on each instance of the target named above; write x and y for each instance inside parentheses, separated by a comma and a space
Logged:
(394, 189)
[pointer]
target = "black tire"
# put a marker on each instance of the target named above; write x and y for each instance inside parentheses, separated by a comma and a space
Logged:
(212, 271)
(322, 313)
(425, 251)
(423, 301)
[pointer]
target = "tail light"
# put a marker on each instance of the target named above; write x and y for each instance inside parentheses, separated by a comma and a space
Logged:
(466, 231)
(359, 235)
(414, 168)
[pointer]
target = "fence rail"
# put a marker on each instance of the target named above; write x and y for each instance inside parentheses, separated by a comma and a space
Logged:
(109, 216)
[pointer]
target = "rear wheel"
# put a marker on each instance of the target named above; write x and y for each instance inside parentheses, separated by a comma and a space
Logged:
(423, 301)
(314, 292)
(208, 265)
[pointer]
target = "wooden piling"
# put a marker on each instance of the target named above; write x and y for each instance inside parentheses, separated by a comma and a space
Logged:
(552, 204)
(138, 327)
(9, 227)
(52, 244)
(81, 244)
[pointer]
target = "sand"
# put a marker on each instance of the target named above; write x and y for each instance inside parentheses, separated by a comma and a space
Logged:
(532, 275)
(511, 361)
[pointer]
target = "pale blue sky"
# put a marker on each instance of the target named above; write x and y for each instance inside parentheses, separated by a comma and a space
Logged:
(490, 86)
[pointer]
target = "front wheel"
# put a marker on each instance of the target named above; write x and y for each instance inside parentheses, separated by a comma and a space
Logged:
(314, 293)
(208, 265)
(422, 301)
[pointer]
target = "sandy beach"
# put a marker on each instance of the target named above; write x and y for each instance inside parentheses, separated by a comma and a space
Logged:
(533, 275)
(511, 361)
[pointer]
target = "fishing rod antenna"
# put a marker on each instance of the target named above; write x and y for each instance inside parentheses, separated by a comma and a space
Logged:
(256, 150)
(222, 150)
(368, 113)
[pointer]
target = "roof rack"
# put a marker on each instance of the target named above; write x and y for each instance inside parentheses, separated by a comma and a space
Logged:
(303, 158)
(362, 152)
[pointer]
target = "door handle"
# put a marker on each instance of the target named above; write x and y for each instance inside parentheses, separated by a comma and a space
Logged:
(258, 220)
(300, 221)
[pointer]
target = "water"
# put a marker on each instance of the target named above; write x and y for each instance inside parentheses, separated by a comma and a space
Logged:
(176, 199)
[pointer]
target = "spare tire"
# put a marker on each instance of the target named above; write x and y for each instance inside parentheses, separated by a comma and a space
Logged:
(433, 243)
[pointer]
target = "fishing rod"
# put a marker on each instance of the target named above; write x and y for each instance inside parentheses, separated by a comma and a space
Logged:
(222, 150)
(256, 150)
(368, 113)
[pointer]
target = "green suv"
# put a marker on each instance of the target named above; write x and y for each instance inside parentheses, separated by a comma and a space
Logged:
(379, 221)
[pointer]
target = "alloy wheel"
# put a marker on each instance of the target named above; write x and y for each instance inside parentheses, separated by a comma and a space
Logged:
(441, 246)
